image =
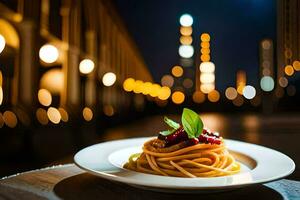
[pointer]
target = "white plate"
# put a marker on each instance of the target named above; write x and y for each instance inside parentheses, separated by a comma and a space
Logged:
(259, 165)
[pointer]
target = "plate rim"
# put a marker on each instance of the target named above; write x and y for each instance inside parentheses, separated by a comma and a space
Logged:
(180, 187)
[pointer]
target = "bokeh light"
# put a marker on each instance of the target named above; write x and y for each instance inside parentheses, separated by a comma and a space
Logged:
(207, 87)
(1, 120)
(186, 31)
(205, 37)
(205, 57)
(2, 43)
(231, 93)
(44, 97)
(178, 97)
(205, 45)
(289, 70)
(238, 101)
(109, 79)
(213, 96)
(48, 53)
(108, 110)
(167, 80)
(1, 95)
(249, 92)
(296, 65)
(129, 84)
(164, 93)
(207, 77)
(41, 115)
(87, 114)
(267, 83)
(53, 115)
(186, 20)
(283, 82)
(155, 90)
(146, 88)
(188, 83)
(10, 119)
(138, 86)
(186, 40)
(86, 66)
(177, 71)
(205, 51)
(207, 67)
(186, 51)
(53, 81)
(64, 114)
(198, 97)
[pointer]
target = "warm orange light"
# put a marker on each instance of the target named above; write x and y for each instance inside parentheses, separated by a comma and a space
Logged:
(129, 84)
(283, 82)
(213, 96)
(108, 110)
(167, 80)
(296, 65)
(87, 114)
(178, 97)
(186, 30)
(205, 45)
(64, 115)
(238, 101)
(207, 78)
(289, 70)
(186, 40)
(205, 57)
(207, 87)
(138, 87)
(86, 66)
(44, 97)
(146, 88)
(48, 53)
(198, 97)
(155, 90)
(205, 51)
(240, 81)
(164, 93)
(177, 71)
(205, 37)
(231, 93)
(53, 81)
(188, 83)
(53, 115)
(1, 120)
(10, 119)
(41, 115)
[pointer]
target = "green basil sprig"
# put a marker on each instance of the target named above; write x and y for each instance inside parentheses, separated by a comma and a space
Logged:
(192, 123)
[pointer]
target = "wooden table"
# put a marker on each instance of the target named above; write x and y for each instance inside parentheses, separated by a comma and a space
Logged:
(70, 182)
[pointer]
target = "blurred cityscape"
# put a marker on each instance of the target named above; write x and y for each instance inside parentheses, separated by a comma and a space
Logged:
(70, 70)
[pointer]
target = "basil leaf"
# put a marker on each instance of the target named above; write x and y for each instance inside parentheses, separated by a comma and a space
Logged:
(192, 123)
(171, 123)
(167, 132)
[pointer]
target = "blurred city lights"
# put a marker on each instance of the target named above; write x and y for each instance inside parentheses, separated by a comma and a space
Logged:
(129, 84)
(41, 115)
(164, 93)
(207, 77)
(279, 92)
(296, 65)
(205, 45)
(266, 44)
(186, 40)
(240, 81)
(231, 93)
(108, 110)
(198, 97)
(87, 114)
(1, 95)
(1, 120)
(109, 79)
(205, 37)
(167, 80)
(186, 20)
(10, 119)
(86, 66)
(48, 53)
(267, 83)
(213, 96)
(186, 51)
(188, 83)
(249, 92)
(207, 87)
(138, 86)
(238, 101)
(207, 67)
(44, 97)
(155, 90)
(177, 71)
(289, 70)
(283, 82)
(186, 31)
(64, 115)
(205, 51)
(147, 87)
(53, 81)
(53, 115)
(178, 97)
(2, 43)
(205, 58)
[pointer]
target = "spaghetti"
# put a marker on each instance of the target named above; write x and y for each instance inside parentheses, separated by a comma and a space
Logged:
(200, 160)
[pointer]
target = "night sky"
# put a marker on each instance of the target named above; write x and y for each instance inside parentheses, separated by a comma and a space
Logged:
(235, 26)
